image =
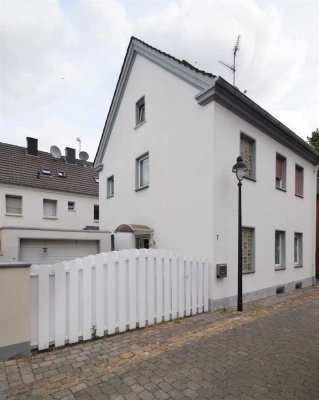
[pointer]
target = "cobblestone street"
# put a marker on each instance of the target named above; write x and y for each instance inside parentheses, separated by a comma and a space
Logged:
(270, 351)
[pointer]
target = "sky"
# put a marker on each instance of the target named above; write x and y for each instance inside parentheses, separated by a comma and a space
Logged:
(60, 60)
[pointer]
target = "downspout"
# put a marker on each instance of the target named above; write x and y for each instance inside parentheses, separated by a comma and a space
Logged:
(314, 244)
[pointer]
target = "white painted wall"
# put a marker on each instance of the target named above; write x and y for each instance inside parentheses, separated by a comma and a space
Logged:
(265, 208)
(32, 209)
(178, 204)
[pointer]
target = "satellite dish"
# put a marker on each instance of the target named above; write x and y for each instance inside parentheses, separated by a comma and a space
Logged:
(55, 151)
(83, 155)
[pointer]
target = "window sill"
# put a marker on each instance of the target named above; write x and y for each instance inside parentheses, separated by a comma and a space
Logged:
(96, 221)
(281, 189)
(299, 195)
(141, 188)
(250, 178)
(13, 215)
(280, 268)
(249, 272)
(298, 266)
(109, 197)
(44, 217)
(71, 211)
(140, 124)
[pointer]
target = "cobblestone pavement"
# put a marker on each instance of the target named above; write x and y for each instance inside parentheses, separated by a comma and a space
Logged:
(270, 351)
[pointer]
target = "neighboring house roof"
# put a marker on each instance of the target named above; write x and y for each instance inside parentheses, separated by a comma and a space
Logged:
(211, 88)
(19, 168)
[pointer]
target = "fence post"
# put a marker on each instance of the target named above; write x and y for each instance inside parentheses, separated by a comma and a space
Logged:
(15, 309)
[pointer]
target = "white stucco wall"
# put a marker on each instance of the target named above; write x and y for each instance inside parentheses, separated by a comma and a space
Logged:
(265, 208)
(32, 209)
(177, 133)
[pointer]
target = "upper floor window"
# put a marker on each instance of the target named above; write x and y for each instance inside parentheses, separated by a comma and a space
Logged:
(248, 153)
(71, 206)
(142, 172)
(96, 212)
(49, 208)
(280, 249)
(140, 111)
(248, 249)
(299, 180)
(110, 186)
(61, 173)
(46, 171)
(298, 249)
(13, 204)
(280, 172)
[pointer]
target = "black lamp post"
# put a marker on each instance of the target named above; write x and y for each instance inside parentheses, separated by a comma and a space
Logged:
(240, 168)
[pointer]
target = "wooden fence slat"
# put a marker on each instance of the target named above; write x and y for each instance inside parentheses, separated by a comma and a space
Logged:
(206, 286)
(43, 308)
(200, 286)
(181, 287)
(174, 284)
(74, 300)
(88, 263)
(141, 288)
(60, 304)
(150, 287)
(194, 286)
(166, 286)
(133, 253)
(187, 286)
(159, 287)
(100, 260)
(123, 256)
(112, 260)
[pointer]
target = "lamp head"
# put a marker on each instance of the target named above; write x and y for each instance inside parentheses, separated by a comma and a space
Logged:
(240, 168)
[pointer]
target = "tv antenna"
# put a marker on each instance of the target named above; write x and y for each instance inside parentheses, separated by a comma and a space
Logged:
(233, 67)
(79, 140)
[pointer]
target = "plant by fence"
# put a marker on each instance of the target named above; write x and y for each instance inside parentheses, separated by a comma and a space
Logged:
(112, 292)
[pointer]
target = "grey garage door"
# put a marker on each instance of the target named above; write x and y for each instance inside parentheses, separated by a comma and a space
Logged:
(36, 251)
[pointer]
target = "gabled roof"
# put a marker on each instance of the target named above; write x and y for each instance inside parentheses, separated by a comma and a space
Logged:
(211, 88)
(19, 168)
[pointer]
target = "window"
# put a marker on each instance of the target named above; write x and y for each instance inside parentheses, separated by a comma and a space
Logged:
(280, 172)
(140, 111)
(13, 204)
(61, 173)
(110, 186)
(142, 172)
(280, 249)
(96, 212)
(248, 152)
(46, 171)
(298, 250)
(248, 249)
(71, 206)
(49, 208)
(299, 180)
(142, 242)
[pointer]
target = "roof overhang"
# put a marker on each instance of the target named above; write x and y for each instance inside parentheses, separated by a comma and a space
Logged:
(137, 230)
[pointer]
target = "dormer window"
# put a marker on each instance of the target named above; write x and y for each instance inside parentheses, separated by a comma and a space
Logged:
(140, 111)
(61, 173)
(96, 180)
(46, 171)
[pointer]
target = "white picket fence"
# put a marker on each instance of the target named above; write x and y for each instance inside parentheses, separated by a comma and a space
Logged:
(113, 292)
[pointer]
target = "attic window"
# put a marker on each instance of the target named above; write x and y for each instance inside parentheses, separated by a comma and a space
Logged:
(96, 180)
(61, 173)
(46, 171)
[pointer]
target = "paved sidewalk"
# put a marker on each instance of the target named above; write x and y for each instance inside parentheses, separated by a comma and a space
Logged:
(268, 352)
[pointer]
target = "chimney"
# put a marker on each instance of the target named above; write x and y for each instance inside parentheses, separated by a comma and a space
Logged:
(32, 146)
(70, 155)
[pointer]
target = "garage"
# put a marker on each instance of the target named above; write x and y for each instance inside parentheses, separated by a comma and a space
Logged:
(41, 251)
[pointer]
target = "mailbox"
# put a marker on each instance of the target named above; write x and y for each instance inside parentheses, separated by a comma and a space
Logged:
(221, 270)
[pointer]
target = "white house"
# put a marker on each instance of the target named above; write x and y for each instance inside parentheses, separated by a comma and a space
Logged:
(165, 161)
(49, 207)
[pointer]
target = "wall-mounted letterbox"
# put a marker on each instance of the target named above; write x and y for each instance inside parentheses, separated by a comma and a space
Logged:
(221, 270)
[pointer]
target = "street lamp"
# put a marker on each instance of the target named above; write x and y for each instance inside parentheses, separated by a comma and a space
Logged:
(239, 169)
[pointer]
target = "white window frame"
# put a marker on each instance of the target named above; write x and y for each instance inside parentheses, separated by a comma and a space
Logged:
(138, 172)
(71, 206)
(13, 196)
(298, 249)
(140, 111)
(298, 167)
(51, 201)
(281, 184)
(282, 249)
(110, 187)
(243, 136)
